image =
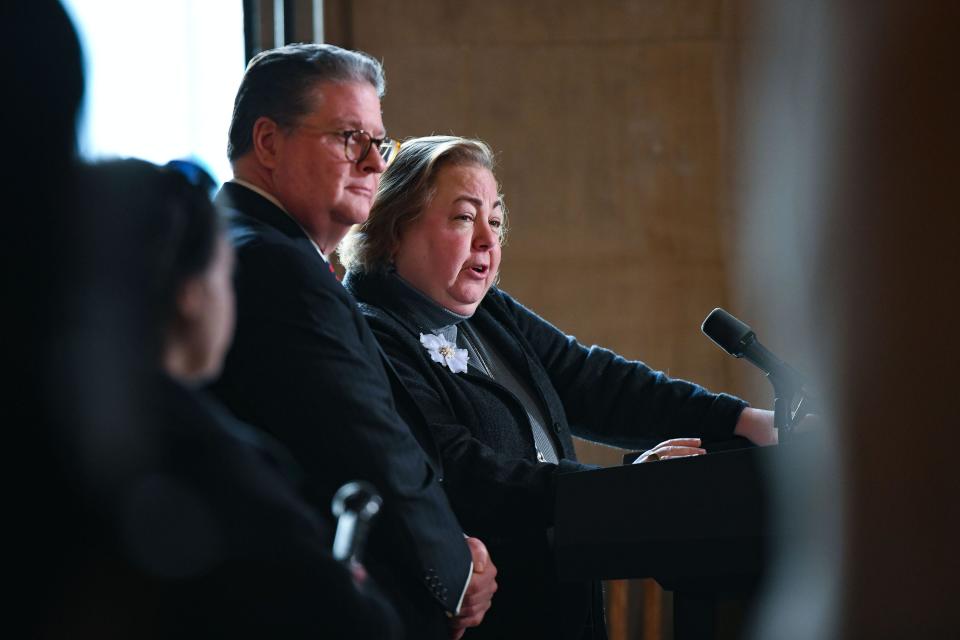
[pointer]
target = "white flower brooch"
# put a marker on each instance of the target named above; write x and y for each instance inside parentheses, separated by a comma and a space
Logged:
(445, 352)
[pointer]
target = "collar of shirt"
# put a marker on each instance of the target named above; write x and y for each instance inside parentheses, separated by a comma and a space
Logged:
(273, 199)
(425, 311)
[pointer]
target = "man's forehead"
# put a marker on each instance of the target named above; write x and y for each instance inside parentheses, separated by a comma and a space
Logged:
(353, 122)
(353, 104)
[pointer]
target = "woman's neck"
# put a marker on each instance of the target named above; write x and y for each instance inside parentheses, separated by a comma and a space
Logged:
(433, 314)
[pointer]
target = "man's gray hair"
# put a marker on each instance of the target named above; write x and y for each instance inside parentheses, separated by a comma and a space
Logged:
(278, 82)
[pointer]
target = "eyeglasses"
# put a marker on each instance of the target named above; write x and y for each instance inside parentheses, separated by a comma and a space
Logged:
(357, 144)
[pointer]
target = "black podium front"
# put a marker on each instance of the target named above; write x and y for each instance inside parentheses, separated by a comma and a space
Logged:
(698, 526)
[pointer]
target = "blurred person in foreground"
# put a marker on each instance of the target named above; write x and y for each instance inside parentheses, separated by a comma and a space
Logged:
(504, 390)
(45, 74)
(193, 523)
(307, 146)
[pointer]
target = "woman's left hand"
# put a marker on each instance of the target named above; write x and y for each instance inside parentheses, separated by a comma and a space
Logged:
(756, 425)
(675, 448)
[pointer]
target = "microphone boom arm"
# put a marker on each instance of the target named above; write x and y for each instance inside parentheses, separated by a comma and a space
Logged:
(792, 397)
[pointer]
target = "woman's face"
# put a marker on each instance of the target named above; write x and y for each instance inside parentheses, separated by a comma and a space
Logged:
(209, 314)
(452, 251)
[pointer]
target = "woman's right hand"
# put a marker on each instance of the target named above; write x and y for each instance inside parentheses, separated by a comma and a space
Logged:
(675, 448)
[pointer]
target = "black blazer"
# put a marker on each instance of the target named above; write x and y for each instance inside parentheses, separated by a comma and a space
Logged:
(498, 489)
(199, 530)
(305, 367)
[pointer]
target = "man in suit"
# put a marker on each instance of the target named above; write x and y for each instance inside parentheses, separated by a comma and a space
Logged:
(305, 148)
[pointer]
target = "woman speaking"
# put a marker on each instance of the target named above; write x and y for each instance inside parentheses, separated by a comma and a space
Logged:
(502, 389)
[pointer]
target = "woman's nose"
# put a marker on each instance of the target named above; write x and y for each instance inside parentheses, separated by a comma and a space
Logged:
(485, 236)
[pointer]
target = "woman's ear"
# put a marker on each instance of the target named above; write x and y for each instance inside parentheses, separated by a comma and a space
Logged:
(266, 138)
(191, 300)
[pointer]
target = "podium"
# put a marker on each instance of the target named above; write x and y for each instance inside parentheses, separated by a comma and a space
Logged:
(699, 526)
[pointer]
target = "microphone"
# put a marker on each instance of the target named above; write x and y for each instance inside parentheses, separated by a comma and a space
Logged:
(355, 505)
(739, 340)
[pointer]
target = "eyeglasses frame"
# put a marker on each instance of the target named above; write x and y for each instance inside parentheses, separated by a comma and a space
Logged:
(386, 147)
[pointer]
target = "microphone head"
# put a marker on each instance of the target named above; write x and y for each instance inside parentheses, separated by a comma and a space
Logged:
(730, 334)
(359, 498)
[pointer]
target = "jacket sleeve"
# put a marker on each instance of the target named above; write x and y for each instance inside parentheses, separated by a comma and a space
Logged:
(621, 402)
(304, 366)
(490, 489)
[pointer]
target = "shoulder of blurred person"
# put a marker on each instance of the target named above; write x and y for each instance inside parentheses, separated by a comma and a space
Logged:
(211, 527)
(188, 521)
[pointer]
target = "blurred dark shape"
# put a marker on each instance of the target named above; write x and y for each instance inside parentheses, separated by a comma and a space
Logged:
(44, 87)
(196, 173)
(141, 509)
(184, 518)
(43, 90)
(355, 505)
(855, 134)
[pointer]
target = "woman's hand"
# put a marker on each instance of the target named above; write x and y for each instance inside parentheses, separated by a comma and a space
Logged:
(756, 425)
(675, 448)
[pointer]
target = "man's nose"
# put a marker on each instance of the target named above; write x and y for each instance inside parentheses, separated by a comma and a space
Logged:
(373, 163)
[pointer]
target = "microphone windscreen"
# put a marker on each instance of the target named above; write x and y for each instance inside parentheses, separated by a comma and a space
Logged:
(357, 497)
(730, 334)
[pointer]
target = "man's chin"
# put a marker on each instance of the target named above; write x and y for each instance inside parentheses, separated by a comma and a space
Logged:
(353, 216)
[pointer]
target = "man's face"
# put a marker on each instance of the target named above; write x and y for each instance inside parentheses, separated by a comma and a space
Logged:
(312, 176)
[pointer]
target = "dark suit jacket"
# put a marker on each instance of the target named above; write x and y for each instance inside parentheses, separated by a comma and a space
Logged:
(305, 367)
(197, 530)
(499, 491)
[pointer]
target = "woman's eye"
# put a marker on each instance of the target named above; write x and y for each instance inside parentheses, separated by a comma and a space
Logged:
(464, 216)
(496, 224)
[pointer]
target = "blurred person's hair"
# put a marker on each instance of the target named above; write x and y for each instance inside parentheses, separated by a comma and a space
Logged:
(166, 228)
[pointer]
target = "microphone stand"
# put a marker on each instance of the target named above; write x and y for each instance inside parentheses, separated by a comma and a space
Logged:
(739, 340)
(787, 386)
